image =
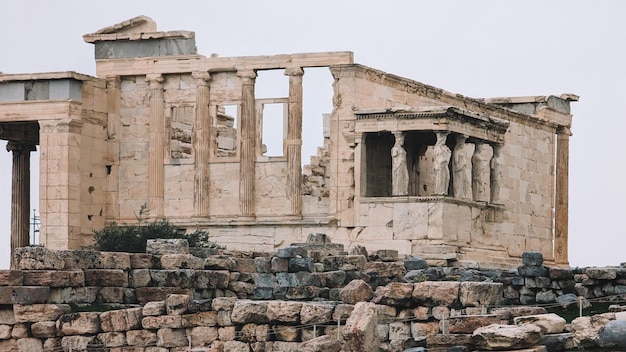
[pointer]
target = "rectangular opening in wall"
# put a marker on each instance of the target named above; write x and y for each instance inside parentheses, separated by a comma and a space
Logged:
(226, 124)
(378, 164)
(274, 127)
(180, 127)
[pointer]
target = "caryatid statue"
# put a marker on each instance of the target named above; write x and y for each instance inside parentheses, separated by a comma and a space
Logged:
(441, 161)
(399, 170)
(496, 173)
(461, 170)
(480, 173)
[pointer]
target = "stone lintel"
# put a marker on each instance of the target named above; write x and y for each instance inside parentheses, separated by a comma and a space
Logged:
(6, 77)
(40, 110)
(190, 63)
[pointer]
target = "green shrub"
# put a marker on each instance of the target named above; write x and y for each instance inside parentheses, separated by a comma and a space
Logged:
(132, 238)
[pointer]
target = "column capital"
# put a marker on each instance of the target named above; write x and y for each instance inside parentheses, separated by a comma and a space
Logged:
(564, 131)
(294, 71)
(202, 78)
(247, 75)
(155, 79)
(114, 81)
(20, 146)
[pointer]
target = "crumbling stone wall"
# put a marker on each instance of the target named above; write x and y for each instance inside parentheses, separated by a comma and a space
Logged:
(242, 301)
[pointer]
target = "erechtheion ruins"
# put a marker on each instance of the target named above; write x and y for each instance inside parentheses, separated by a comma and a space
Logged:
(402, 165)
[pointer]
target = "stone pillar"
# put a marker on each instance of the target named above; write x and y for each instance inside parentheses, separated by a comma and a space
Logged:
(201, 144)
(156, 172)
(399, 170)
(247, 143)
(561, 201)
(294, 140)
(495, 175)
(20, 195)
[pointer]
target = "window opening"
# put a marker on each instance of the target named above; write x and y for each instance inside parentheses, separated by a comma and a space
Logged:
(274, 127)
(226, 121)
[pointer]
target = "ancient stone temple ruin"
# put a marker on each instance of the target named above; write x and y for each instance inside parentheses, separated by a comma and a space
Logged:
(402, 165)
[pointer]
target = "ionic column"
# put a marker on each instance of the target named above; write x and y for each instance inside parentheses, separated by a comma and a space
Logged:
(247, 143)
(156, 182)
(294, 140)
(561, 201)
(20, 195)
(201, 144)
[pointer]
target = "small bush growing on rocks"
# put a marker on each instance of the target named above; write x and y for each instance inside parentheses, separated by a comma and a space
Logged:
(132, 238)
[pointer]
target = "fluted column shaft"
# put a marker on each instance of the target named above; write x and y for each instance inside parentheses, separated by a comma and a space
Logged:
(156, 173)
(247, 143)
(294, 140)
(561, 217)
(20, 195)
(201, 144)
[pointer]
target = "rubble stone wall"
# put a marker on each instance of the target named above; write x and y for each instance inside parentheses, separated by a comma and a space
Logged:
(241, 301)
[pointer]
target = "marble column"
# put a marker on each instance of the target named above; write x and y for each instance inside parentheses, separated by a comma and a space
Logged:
(20, 195)
(201, 144)
(156, 171)
(561, 201)
(294, 140)
(247, 143)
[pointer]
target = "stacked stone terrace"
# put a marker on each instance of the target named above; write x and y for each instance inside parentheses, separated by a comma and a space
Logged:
(310, 296)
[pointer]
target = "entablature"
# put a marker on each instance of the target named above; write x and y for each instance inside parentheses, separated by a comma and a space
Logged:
(449, 119)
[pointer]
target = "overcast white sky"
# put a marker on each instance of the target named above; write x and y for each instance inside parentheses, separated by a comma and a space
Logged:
(475, 48)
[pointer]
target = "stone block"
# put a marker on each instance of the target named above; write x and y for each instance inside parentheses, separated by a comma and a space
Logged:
(333, 279)
(139, 278)
(302, 293)
(300, 264)
(106, 277)
(80, 259)
(168, 337)
(112, 339)
(11, 278)
(434, 293)
(415, 263)
(219, 262)
(153, 308)
(200, 305)
(468, 323)
(208, 318)
(141, 338)
(601, 273)
(5, 331)
(44, 329)
(282, 312)
(264, 293)
(224, 303)
(356, 291)
(162, 321)
(395, 294)
(532, 258)
(111, 295)
(9, 345)
(245, 265)
(142, 260)
(245, 312)
(549, 323)
(30, 344)
(203, 335)
(211, 279)
(291, 252)
(24, 294)
(390, 270)
(82, 323)
(478, 294)
(7, 317)
(177, 304)
(321, 344)
(279, 265)
(167, 246)
(56, 278)
(149, 294)
(39, 312)
(262, 264)
(181, 261)
(316, 313)
(121, 320)
(181, 278)
(360, 333)
(506, 337)
(38, 258)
